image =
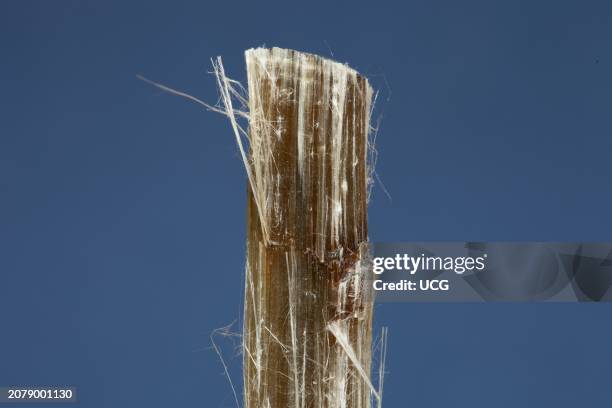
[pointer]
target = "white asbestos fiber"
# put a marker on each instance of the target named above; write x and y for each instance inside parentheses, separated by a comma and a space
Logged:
(308, 307)
(307, 335)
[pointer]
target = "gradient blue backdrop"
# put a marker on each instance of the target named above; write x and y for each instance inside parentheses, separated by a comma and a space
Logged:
(123, 209)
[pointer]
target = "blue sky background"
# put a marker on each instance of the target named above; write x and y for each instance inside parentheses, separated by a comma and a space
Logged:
(122, 209)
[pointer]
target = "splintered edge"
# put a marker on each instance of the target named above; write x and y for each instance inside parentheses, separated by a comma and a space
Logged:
(282, 56)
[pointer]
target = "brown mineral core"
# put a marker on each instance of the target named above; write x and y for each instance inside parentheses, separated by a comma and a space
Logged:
(308, 307)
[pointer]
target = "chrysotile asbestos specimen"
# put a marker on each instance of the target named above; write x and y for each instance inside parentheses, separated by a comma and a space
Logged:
(308, 307)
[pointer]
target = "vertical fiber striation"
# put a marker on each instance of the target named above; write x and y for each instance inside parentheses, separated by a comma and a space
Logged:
(307, 311)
